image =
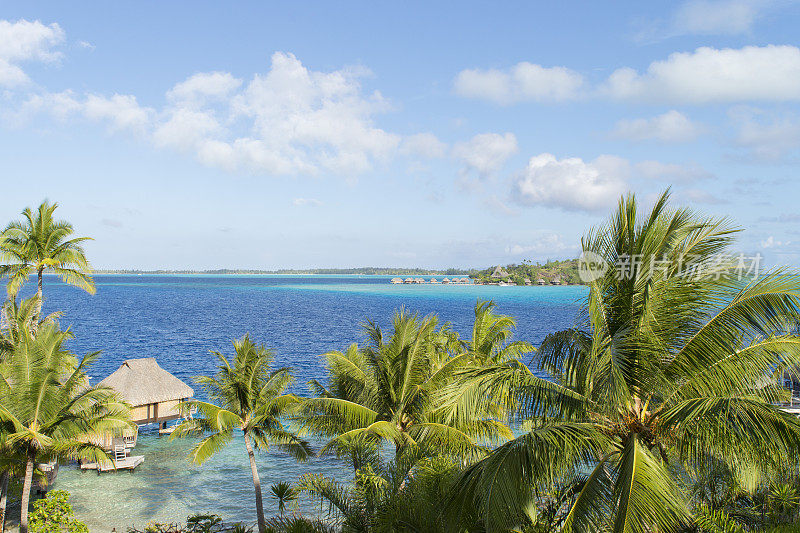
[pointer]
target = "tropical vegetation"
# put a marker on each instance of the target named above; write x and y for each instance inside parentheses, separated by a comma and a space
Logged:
(48, 409)
(659, 411)
(249, 397)
(54, 514)
(565, 272)
(37, 244)
(385, 390)
(671, 368)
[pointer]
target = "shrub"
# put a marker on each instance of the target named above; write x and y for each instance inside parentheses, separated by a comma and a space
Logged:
(54, 514)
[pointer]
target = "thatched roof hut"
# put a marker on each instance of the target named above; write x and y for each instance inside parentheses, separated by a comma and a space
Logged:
(152, 392)
(499, 273)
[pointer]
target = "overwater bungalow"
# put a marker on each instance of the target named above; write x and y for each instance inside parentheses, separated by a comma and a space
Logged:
(408, 280)
(528, 282)
(434, 280)
(556, 281)
(446, 280)
(397, 280)
(152, 392)
(541, 281)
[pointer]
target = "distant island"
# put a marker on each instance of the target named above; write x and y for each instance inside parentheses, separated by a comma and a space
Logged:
(364, 271)
(528, 273)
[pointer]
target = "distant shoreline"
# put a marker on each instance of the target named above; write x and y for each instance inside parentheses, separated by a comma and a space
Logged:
(288, 272)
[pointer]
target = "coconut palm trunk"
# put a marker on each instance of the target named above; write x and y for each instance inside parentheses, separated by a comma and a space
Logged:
(3, 499)
(39, 286)
(262, 523)
(26, 494)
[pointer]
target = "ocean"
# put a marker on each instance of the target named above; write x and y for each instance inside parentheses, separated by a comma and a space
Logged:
(180, 319)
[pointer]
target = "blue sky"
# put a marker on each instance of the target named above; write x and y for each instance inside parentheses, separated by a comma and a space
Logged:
(291, 135)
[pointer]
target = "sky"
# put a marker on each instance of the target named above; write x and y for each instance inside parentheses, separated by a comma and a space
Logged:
(271, 135)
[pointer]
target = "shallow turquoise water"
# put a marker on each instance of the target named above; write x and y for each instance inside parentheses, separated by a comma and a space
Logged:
(178, 319)
(167, 488)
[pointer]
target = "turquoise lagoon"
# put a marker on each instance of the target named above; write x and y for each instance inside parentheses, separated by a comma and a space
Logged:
(178, 319)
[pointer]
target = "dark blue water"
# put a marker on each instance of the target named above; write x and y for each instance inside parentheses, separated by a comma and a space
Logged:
(179, 319)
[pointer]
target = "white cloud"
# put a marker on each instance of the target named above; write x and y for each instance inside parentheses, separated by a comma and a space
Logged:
(311, 202)
(291, 120)
(121, 112)
(571, 183)
(485, 154)
(522, 82)
(671, 127)
(320, 118)
(726, 17)
(59, 105)
(203, 86)
(710, 75)
(671, 172)
(766, 136)
(771, 242)
(543, 244)
(23, 41)
(426, 145)
(186, 129)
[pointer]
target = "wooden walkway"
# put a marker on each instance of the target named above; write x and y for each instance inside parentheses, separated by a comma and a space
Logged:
(129, 463)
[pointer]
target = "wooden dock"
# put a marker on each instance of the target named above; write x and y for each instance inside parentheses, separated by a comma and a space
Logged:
(129, 463)
(121, 461)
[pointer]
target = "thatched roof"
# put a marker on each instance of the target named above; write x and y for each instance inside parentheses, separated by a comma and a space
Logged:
(499, 272)
(142, 381)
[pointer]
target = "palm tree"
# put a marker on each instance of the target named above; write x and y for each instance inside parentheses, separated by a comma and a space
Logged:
(404, 494)
(246, 396)
(38, 243)
(386, 390)
(47, 408)
(19, 320)
(491, 341)
(16, 324)
(284, 494)
(672, 362)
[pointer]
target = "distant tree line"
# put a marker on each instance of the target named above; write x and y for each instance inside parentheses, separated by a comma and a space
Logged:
(565, 272)
(368, 271)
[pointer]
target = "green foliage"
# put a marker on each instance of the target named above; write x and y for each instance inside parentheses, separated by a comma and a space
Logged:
(39, 243)
(663, 371)
(388, 388)
(245, 395)
(248, 396)
(566, 272)
(284, 494)
(783, 502)
(298, 524)
(198, 523)
(402, 495)
(47, 406)
(54, 514)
